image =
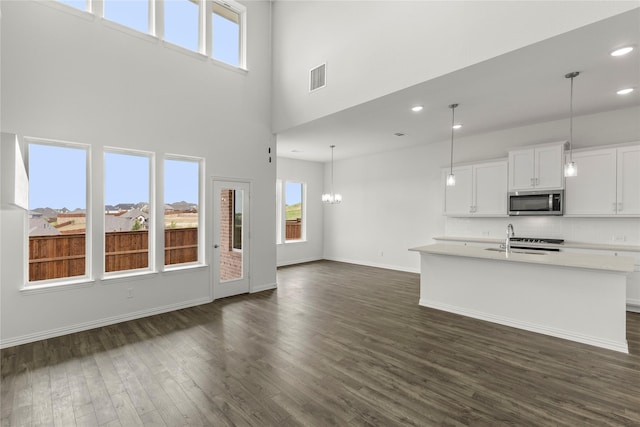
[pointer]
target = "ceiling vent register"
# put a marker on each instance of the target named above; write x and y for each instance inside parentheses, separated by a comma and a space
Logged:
(318, 77)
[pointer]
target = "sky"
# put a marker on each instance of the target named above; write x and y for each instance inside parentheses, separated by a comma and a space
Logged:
(293, 193)
(180, 26)
(57, 178)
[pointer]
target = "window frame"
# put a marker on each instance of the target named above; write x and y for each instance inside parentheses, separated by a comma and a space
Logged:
(156, 23)
(209, 34)
(97, 8)
(160, 27)
(201, 211)
(152, 241)
(69, 281)
(303, 212)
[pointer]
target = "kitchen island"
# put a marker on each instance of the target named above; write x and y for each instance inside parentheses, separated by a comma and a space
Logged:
(578, 297)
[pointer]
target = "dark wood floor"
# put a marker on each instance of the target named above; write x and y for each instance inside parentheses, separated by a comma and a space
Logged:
(336, 344)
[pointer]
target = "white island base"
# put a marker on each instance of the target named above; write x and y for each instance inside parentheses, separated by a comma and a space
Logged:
(575, 303)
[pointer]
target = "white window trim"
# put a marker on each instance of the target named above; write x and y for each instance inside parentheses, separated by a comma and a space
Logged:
(155, 27)
(303, 198)
(152, 241)
(88, 271)
(241, 10)
(201, 213)
(279, 213)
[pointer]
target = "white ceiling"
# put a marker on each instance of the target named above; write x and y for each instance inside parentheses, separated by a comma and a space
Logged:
(523, 87)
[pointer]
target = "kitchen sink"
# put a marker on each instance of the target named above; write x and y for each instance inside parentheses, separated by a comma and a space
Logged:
(516, 251)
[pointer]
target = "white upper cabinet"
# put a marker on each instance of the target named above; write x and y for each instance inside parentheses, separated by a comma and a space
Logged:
(481, 189)
(628, 200)
(538, 168)
(593, 190)
(608, 183)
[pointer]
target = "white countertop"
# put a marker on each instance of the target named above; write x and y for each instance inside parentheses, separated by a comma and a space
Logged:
(566, 244)
(622, 264)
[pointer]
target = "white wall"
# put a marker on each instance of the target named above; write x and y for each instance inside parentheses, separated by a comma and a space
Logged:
(393, 201)
(373, 48)
(77, 78)
(312, 174)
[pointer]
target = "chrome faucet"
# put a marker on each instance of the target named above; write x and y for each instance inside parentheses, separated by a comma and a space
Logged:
(507, 242)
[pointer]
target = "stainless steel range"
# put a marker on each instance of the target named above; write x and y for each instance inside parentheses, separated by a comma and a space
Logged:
(524, 243)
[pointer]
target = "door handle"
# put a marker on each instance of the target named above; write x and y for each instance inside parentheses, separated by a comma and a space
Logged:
(216, 246)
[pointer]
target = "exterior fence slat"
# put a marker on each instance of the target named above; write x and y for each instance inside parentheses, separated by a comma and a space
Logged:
(53, 257)
(293, 229)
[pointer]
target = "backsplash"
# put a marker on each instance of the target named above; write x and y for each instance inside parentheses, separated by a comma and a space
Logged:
(620, 231)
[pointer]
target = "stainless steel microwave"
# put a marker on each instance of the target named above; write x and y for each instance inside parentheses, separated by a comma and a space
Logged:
(523, 203)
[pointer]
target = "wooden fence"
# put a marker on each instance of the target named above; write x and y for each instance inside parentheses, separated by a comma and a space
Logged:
(293, 229)
(52, 257)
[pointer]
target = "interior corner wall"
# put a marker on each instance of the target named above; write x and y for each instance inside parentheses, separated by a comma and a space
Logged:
(393, 201)
(71, 76)
(312, 174)
(374, 48)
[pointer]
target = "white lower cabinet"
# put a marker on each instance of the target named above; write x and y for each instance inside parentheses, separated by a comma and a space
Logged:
(480, 190)
(607, 184)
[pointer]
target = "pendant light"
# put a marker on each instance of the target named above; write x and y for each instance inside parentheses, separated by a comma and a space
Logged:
(570, 168)
(451, 179)
(332, 198)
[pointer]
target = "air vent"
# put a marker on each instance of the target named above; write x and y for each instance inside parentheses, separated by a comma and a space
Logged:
(318, 77)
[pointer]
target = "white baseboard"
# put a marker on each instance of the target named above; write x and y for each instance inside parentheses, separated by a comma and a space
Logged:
(52, 333)
(298, 261)
(633, 305)
(532, 327)
(264, 287)
(375, 264)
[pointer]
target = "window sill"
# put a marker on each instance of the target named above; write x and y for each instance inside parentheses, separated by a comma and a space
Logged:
(289, 242)
(127, 275)
(57, 286)
(183, 267)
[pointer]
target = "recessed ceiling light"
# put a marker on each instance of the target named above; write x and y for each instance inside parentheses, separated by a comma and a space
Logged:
(417, 108)
(622, 51)
(625, 91)
(458, 126)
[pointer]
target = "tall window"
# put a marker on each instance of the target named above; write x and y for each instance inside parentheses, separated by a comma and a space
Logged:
(57, 210)
(181, 23)
(131, 13)
(294, 211)
(181, 210)
(128, 210)
(226, 35)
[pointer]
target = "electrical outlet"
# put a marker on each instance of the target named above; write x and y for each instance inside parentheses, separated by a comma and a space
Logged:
(130, 293)
(486, 233)
(617, 238)
(380, 253)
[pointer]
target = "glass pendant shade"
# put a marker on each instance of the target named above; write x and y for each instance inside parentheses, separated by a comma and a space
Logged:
(570, 169)
(451, 180)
